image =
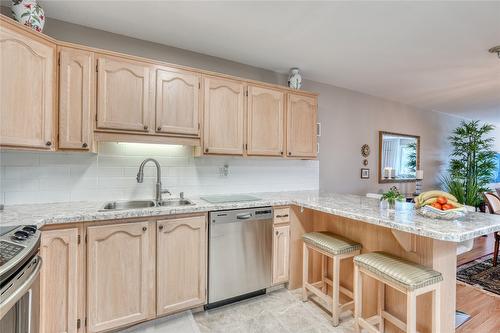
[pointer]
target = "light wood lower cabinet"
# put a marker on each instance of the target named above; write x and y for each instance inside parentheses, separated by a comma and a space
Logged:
(28, 88)
(62, 285)
(120, 274)
(76, 98)
(181, 259)
(281, 250)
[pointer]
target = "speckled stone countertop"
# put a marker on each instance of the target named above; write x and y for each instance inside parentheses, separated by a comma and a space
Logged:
(355, 207)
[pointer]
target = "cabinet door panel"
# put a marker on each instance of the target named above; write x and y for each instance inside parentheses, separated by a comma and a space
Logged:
(182, 258)
(76, 98)
(281, 249)
(123, 94)
(177, 102)
(120, 288)
(27, 81)
(223, 116)
(301, 126)
(265, 121)
(61, 281)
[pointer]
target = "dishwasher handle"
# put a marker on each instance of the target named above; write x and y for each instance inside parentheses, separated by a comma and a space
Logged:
(244, 216)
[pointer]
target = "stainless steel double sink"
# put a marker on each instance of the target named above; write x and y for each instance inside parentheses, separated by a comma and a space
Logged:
(138, 204)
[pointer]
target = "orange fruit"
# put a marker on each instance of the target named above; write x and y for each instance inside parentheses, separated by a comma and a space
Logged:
(447, 206)
(437, 205)
(442, 200)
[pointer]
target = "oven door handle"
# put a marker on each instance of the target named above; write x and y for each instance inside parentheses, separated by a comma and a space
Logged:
(12, 299)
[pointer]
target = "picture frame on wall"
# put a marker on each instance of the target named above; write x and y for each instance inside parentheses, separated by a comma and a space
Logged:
(365, 173)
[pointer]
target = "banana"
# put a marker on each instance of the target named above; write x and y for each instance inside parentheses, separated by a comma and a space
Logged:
(429, 201)
(431, 194)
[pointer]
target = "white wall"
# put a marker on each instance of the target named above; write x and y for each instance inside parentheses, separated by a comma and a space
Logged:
(110, 175)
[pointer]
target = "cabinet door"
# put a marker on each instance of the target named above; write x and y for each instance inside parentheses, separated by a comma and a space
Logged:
(27, 81)
(177, 102)
(181, 264)
(120, 279)
(301, 126)
(76, 98)
(223, 116)
(124, 94)
(281, 248)
(61, 281)
(265, 121)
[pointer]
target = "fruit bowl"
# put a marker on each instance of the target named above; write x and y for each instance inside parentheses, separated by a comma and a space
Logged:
(434, 213)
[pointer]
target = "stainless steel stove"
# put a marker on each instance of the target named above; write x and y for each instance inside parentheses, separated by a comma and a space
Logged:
(19, 283)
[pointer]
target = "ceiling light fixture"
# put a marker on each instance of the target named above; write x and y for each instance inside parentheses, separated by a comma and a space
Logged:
(495, 49)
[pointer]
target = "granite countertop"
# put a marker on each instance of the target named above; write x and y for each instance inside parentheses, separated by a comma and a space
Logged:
(355, 207)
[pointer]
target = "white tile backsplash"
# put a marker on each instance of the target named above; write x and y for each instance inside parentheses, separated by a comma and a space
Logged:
(30, 177)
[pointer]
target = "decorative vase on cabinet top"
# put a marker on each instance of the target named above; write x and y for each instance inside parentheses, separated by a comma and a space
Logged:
(29, 13)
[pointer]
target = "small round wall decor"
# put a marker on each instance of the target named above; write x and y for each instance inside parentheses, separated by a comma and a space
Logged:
(365, 150)
(365, 162)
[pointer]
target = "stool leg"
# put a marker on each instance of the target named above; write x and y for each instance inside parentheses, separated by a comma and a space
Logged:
(305, 271)
(381, 304)
(358, 298)
(324, 272)
(436, 309)
(411, 312)
(336, 291)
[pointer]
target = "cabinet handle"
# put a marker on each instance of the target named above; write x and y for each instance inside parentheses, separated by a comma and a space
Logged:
(48, 143)
(158, 129)
(277, 232)
(144, 228)
(146, 127)
(84, 145)
(160, 227)
(279, 216)
(281, 152)
(289, 153)
(206, 150)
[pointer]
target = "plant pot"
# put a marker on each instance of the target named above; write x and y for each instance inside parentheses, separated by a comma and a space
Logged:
(29, 13)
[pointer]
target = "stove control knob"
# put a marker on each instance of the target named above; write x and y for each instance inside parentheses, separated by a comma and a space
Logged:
(30, 229)
(20, 235)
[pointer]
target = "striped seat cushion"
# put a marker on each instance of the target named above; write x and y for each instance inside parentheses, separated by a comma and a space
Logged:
(400, 271)
(331, 243)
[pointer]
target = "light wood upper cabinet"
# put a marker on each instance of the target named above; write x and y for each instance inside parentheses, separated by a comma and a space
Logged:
(76, 98)
(178, 102)
(281, 250)
(181, 264)
(61, 281)
(265, 121)
(27, 90)
(120, 274)
(301, 126)
(224, 110)
(124, 94)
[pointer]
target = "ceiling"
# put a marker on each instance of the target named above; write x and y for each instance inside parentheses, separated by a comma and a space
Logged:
(431, 55)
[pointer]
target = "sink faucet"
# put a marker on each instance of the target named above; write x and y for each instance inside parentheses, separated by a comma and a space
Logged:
(140, 177)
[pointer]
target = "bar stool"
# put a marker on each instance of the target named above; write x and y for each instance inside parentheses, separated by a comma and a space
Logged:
(337, 248)
(405, 276)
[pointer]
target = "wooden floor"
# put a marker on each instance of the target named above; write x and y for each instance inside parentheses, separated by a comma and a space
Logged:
(482, 307)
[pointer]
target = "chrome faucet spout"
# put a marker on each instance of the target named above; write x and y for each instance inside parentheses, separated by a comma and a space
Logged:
(140, 178)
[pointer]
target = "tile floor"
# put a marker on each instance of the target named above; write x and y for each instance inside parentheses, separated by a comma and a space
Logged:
(276, 312)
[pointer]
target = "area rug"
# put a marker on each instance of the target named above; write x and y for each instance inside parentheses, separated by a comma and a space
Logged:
(481, 273)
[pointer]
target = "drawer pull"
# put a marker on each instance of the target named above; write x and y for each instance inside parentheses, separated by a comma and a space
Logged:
(281, 216)
(144, 228)
(160, 227)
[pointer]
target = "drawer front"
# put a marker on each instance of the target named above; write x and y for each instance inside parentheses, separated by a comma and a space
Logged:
(281, 215)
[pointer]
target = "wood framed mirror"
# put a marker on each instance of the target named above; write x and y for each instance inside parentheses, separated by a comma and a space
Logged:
(398, 158)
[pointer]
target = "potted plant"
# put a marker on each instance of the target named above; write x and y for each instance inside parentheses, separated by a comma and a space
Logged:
(472, 162)
(392, 196)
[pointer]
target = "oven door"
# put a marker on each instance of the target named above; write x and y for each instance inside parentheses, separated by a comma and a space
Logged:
(20, 299)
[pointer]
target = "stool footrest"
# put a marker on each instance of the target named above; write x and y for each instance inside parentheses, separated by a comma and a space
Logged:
(399, 323)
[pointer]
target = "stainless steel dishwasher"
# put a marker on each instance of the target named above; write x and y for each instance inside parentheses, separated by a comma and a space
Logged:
(240, 251)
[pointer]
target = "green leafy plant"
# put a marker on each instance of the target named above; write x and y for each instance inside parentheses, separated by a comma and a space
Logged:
(412, 157)
(392, 196)
(472, 162)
